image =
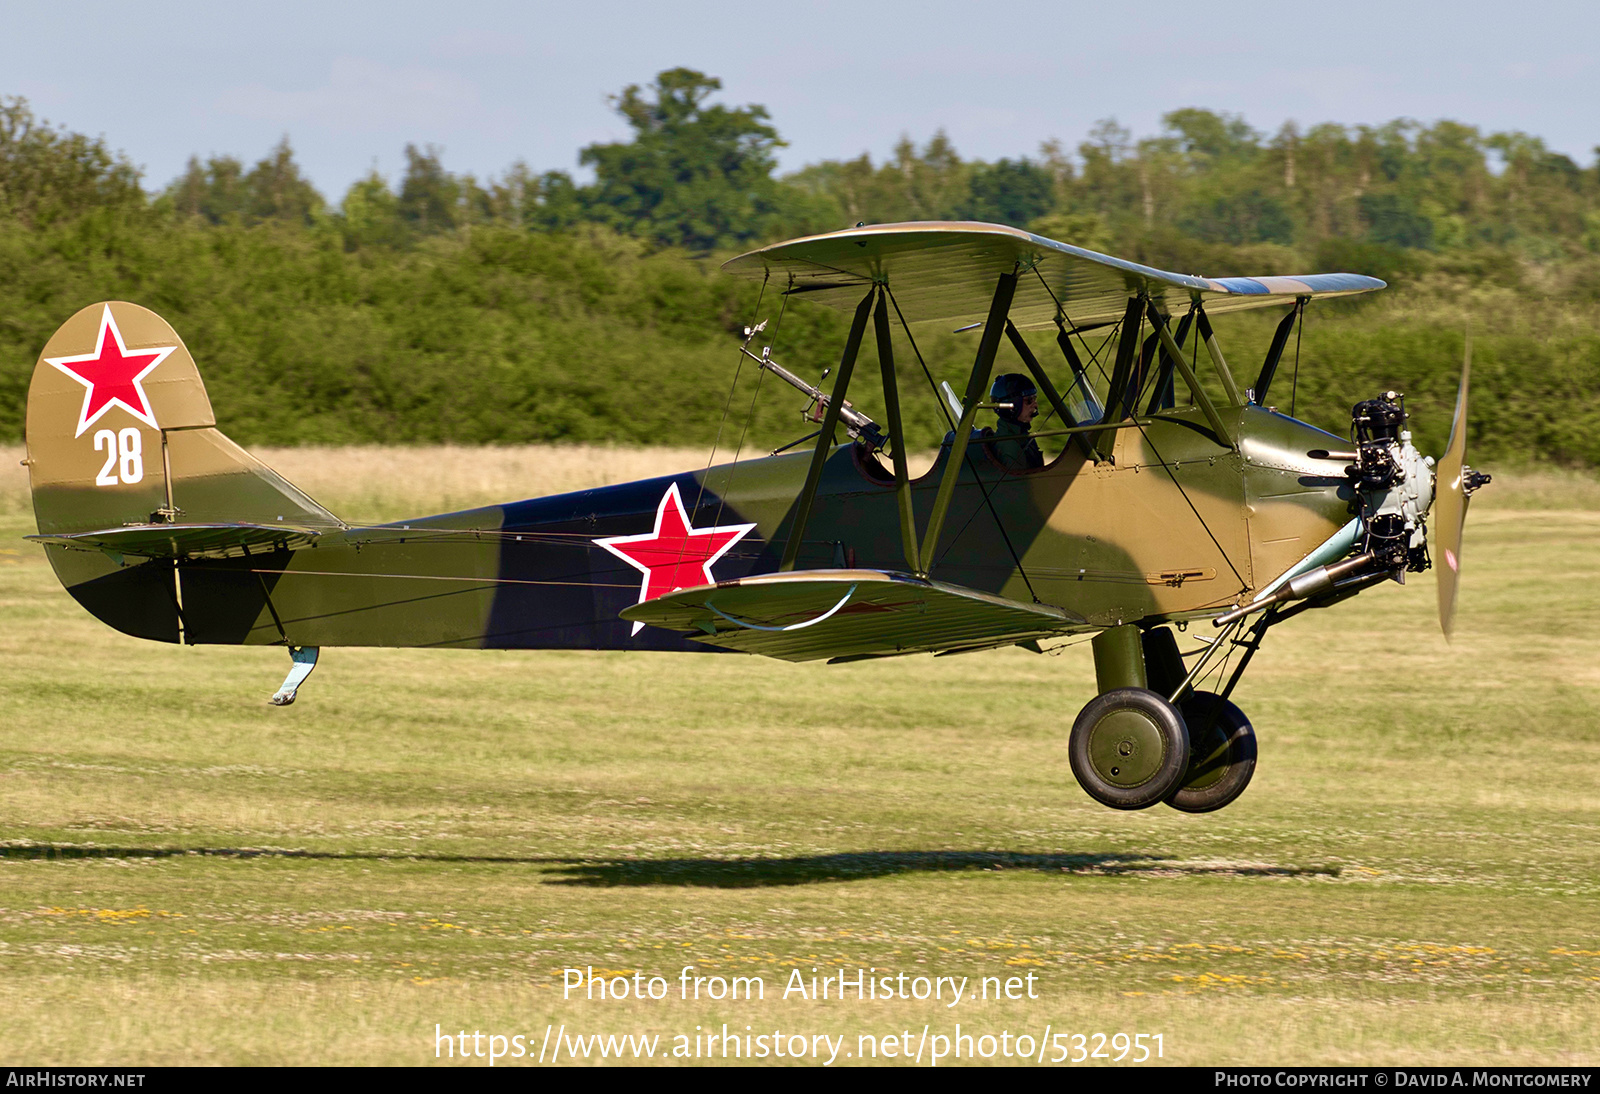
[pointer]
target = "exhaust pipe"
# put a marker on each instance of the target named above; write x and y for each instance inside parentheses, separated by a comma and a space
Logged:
(1311, 583)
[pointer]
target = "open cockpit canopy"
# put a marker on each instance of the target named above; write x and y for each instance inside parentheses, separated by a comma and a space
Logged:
(946, 270)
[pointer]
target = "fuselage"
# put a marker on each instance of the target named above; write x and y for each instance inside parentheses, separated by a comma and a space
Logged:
(1173, 526)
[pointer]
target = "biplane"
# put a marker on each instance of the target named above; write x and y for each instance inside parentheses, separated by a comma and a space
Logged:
(1179, 495)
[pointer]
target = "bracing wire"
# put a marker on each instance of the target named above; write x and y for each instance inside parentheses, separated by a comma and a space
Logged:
(984, 490)
(1094, 360)
(1134, 417)
(749, 415)
(726, 406)
(738, 369)
(932, 387)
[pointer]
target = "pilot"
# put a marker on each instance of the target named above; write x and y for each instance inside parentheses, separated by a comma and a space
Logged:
(1012, 445)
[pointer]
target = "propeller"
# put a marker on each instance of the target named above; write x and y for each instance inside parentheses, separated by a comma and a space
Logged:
(1454, 483)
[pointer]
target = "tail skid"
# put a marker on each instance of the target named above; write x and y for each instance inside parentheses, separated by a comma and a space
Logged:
(304, 659)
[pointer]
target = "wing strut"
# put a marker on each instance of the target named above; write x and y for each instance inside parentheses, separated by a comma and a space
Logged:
(1206, 406)
(830, 423)
(1117, 406)
(1280, 338)
(1215, 351)
(897, 436)
(1162, 396)
(977, 387)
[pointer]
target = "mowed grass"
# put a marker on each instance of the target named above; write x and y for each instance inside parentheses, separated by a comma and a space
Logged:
(429, 838)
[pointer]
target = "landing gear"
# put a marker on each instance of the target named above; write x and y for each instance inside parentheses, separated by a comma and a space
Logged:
(1129, 748)
(1222, 754)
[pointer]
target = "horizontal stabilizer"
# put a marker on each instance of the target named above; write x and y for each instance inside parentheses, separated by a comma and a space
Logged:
(188, 540)
(807, 615)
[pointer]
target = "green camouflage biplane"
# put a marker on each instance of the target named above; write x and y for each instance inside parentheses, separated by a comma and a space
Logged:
(1178, 495)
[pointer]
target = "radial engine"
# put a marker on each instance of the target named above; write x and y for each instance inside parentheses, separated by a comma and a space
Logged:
(1394, 482)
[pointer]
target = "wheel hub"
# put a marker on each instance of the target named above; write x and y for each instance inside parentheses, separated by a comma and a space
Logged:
(1126, 748)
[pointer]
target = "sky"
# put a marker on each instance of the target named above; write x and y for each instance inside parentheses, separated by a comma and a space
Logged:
(492, 82)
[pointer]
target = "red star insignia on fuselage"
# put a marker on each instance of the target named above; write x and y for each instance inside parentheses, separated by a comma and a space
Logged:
(675, 555)
(112, 375)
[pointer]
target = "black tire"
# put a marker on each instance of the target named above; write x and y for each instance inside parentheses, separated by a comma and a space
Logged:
(1129, 748)
(1222, 754)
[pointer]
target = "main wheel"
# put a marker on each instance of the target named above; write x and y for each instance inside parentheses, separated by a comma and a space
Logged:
(1129, 748)
(1222, 754)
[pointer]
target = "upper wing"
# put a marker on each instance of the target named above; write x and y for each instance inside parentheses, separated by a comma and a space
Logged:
(946, 270)
(806, 615)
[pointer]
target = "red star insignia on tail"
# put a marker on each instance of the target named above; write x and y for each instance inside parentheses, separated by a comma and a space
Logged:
(112, 375)
(675, 555)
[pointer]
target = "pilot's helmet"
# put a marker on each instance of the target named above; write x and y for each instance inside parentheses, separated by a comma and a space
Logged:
(1011, 387)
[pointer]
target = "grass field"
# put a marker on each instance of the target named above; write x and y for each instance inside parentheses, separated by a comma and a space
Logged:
(429, 838)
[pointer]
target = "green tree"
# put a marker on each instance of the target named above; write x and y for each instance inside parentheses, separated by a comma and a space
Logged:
(931, 183)
(1248, 217)
(695, 175)
(221, 191)
(1392, 219)
(430, 197)
(214, 191)
(277, 190)
(47, 173)
(1107, 185)
(1212, 140)
(1012, 192)
(370, 213)
(546, 202)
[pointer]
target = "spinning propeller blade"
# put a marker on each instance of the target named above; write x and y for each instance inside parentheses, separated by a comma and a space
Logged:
(1450, 503)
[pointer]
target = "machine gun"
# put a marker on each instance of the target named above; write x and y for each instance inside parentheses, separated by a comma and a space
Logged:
(861, 428)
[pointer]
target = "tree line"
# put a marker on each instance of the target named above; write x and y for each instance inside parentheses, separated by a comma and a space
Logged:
(516, 307)
(702, 176)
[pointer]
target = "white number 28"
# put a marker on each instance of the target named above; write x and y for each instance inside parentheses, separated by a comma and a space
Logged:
(124, 457)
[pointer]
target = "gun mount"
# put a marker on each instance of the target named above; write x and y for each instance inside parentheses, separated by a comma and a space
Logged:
(861, 428)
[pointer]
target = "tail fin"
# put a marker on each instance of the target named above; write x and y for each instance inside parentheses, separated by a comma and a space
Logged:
(122, 441)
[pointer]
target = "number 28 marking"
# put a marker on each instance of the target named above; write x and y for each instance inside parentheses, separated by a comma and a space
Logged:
(124, 457)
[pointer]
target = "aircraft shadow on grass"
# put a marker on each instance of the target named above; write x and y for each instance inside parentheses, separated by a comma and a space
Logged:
(739, 873)
(735, 873)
